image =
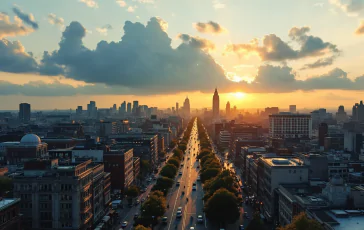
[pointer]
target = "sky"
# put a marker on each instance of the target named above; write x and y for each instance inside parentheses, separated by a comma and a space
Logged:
(60, 54)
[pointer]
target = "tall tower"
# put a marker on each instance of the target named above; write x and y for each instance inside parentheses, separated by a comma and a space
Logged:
(187, 107)
(228, 109)
(215, 105)
(24, 112)
(177, 107)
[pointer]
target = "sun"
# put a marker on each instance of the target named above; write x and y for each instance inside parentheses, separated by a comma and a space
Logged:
(239, 95)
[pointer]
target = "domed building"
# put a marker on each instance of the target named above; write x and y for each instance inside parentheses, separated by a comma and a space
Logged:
(29, 147)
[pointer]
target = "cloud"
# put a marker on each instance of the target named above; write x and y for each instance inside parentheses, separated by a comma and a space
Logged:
(319, 4)
(26, 18)
(143, 60)
(282, 79)
(90, 3)
(12, 29)
(351, 7)
(54, 20)
(197, 42)
(121, 3)
(14, 59)
(56, 89)
(322, 62)
(243, 66)
(145, 1)
(274, 49)
(217, 4)
(131, 9)
(360, 29)
(103, 30)
(209, 27)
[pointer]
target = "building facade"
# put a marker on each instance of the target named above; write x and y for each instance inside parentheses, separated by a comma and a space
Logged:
(287, 125)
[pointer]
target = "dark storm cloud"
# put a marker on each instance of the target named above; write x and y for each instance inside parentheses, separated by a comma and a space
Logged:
(14, 59)
(143, 59)
(209, 27)
(274, 49)
(26, 18)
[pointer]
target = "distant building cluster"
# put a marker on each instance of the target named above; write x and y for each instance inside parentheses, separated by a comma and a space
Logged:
(66, 167)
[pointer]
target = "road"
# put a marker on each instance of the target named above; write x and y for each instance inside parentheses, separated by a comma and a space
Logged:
(194, 206)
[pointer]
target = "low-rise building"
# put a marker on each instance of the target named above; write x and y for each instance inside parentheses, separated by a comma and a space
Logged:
(9, 214)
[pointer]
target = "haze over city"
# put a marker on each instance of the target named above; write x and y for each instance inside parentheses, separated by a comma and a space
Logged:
(57, 55)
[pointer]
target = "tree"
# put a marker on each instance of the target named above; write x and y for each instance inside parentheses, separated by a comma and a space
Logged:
(145, 167)
(174, 161)
(132, 191)
(222, 207)
(256, 223)
(141, 227)
(302, 222)
(182, 147)
(223, 180)
(155, 205)
(163, 184)
(169, 171)
(204, 152)
(209, 173)
(173, 143)
(6, 184)
(178, 153)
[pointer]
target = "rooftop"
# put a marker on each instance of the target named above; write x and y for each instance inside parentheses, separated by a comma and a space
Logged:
(342, 219)
(282, 162)
(7, 202)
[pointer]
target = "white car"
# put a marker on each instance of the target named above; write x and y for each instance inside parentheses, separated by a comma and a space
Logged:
(199, 219)
(124, 224)
(194, 187)
(198, 178)
(179, 214)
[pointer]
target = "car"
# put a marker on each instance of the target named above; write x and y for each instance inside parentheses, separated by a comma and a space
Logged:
(199, 219)
(136, 216)
(194, 184)
(149, 179)
(194, 188)
(137, 201)
(198, 178)
(241, 227)
(192, 228)
(179, 209)
(179, 214)
(143, 199)
(180, 173)
(164, 220)
(178, 183)
(124, 224)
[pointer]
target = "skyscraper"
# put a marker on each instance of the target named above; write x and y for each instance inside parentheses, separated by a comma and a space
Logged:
(177, 107)
(24, 112)
(135, 106)
(79, 110)
(215, 105)
(187, 107)
(91, 109)
(228, 109)
(292, 109)
(122, 108)
(128, 110)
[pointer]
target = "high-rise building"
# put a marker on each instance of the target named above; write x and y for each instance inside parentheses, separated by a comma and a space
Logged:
(92, 109)
(187, 107)
(128, 109)
(292, 109)
(79, 110)
(341, 115)
(228, 109)
(24, 112)
(122, 108)
(323, 130)
(215, 105)
(358, 111)
(114, 108)
(288, 125)
(177, 107)
(135, 106)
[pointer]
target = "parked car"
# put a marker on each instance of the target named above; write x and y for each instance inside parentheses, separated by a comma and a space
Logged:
(124, 224)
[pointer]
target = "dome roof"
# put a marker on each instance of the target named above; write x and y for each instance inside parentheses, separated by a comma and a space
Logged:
(30, 139)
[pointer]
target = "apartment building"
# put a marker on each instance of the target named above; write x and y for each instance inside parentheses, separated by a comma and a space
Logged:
(54, 196)
(276, 171)
(288, 125)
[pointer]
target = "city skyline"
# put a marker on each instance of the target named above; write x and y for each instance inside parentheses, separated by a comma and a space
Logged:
(254, 59)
